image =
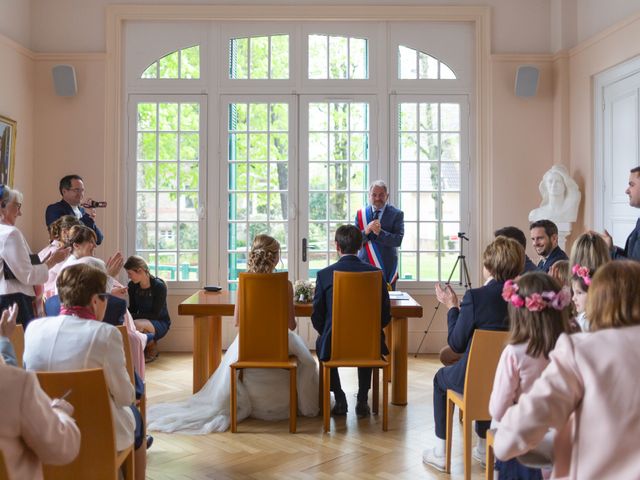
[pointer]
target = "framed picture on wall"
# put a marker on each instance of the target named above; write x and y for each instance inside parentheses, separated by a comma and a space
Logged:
(8, 129)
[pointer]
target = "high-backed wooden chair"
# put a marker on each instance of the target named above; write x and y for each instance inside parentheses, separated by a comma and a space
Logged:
(491, 458)
(4, 474)
(263, 317)
(128, 356)
(486, 348)
(17, 340)
(355, 335)
(98, 458)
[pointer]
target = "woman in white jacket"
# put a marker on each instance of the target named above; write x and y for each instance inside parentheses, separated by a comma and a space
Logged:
(18, 273)
(78, 339)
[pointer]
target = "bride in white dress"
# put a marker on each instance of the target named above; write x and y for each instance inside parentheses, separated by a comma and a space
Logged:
(263, 393)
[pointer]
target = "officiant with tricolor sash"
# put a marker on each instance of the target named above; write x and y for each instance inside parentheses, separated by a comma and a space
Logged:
(382, 227)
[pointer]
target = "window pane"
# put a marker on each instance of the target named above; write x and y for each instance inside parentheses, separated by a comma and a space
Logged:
(190, 62)
(446, 72)
(258, 176)
(451, 206)
(279, 117)
(259, 58)
(408, 266)
(408, 176)
(410, 240)
(168, 117)
(428, 206)
(278, 176)
(167, 236)
(279, 147)
(429, 147)
(190, 146)
(450, 117)
(238, 206)
(318, 55)
(429, 176)
(258, 116)
(239, 61)
(429, 267)
(258, 146)
(408, 147)
(318, 176)
(146, 206)
(168, 176)
(147, 146)
(358, 58)
(318, 116)
(145, 236)
(280, 56)
(189, 236)
(238, 117)
(429, 116)
(238, 236)
(278, 206)
(318, 239)
(428, 66)
(146, 116)
(318, 146)
(407, 63)
(167, 208)
(318, 206)
(168, 145)
(189, 174)
(169, 66)
(190, 117)
(258, 206)
(238, 146)
(338, 51)
(151, 71)
(146, 176)
(408, 117)
(188, 270)
(409, 205)
(450, 147)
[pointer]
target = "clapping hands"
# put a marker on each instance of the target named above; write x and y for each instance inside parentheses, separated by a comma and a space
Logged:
(447, 296)
(114, 264)
(8, 321)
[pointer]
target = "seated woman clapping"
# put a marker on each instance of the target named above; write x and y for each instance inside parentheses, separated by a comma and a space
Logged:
(263, 393)
(33, 428)
(77, 339)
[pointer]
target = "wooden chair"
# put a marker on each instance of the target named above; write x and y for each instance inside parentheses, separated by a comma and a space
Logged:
(263, 317)
(128, 356)
(491, 458)
(4, 474)
(98, 458)
(486, 348)
(355, 336)
(17, 340)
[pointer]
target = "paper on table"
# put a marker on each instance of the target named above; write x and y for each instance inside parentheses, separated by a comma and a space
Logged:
(394, 295)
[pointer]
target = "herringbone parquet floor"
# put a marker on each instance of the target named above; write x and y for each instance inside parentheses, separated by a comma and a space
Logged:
(354, 449)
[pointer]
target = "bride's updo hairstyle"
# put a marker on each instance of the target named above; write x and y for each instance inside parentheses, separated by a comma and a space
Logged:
(264, 254)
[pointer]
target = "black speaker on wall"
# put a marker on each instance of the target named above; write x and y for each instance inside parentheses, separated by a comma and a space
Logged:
(64, 80)
(527, 81)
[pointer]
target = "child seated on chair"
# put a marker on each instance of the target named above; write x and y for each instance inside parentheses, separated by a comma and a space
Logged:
(539, 313)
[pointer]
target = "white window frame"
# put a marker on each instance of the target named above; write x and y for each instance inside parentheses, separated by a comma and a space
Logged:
(131, 173)
(465, 176)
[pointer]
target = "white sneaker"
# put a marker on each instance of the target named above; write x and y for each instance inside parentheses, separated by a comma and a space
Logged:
(430, 458)
(479, 455)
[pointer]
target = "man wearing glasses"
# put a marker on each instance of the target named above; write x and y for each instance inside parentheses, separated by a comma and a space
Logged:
(72, 191)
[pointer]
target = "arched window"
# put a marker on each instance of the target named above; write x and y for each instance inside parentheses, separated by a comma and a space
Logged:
(416, 65)
(181, 64)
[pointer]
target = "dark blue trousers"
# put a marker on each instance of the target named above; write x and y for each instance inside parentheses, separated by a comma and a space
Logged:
(364, 383)
(440, 387)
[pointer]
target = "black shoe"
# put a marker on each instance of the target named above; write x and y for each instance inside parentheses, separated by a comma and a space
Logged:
(340, 407)
(149, 441)
(362, 409)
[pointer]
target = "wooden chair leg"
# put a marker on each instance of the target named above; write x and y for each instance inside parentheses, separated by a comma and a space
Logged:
(490, 461)
(385, 398)
(293, 400)
(234, 399)
(128, 466)
(325, 399)
(449, 434)
(466, 450)
(376, 390)
(321, 389)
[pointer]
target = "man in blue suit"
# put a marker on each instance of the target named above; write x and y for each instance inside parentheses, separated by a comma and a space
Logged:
(382, 226)
(72, 191)
(348, 240)
(544, 235)
(631, 249)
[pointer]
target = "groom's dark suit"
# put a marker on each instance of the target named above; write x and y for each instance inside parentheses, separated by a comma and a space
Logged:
(322, 317)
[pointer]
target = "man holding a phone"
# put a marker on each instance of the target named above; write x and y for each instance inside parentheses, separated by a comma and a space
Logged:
(72, 190)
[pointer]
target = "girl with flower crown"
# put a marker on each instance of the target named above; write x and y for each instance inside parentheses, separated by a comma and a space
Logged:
(539, 315)
(589, 252)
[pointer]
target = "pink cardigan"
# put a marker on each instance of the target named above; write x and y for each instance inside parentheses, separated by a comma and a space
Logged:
(594, 375)
(31, 432)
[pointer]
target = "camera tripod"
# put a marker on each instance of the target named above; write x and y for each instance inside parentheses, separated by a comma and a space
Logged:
(465, 279)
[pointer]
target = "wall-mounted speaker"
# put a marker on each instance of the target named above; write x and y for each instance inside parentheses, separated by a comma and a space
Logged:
(64, 80)
(527, 81)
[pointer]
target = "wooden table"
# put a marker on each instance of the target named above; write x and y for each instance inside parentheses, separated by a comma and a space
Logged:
(208, 308)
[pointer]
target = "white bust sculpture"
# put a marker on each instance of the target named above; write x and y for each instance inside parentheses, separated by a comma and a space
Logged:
(560, 197)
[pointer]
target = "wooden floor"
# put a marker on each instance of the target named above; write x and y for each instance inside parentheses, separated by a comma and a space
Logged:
(354, 449)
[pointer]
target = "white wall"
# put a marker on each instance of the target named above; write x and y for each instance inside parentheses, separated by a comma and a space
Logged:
(79, 26)
(15, 21)
(593, 16)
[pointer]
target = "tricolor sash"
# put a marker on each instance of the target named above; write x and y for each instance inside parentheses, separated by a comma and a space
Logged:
(363, 218)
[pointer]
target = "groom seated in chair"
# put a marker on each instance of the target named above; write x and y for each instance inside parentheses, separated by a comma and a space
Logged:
(348, 241)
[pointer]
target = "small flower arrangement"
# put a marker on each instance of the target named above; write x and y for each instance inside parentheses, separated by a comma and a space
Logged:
(303, 291)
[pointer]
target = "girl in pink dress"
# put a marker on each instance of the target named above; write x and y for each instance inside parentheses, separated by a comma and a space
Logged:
(539, 314)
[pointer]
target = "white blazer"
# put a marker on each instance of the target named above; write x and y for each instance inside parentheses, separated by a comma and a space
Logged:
(31, 432)
(14, 251)
(67, 342)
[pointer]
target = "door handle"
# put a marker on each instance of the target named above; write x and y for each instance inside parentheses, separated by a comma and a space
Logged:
(304, 249)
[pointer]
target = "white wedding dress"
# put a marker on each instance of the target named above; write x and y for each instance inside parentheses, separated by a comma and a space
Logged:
(263, 393)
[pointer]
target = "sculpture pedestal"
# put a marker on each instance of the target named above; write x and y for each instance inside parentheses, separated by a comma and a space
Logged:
(564, 230)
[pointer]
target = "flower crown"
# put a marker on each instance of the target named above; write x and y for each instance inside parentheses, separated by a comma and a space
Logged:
(536, 302)
(582, 272)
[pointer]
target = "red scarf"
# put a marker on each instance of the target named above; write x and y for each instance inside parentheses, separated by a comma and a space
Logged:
(81, 312)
